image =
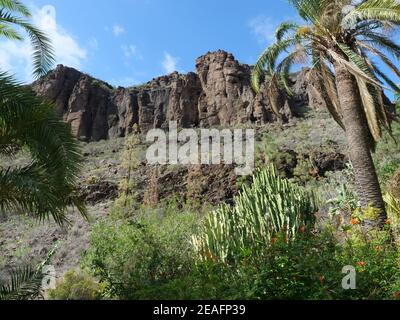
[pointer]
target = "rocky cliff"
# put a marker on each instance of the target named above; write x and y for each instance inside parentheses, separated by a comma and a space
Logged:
(219, 93)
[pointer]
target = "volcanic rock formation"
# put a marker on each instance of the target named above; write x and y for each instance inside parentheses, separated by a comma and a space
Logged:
(219, 93)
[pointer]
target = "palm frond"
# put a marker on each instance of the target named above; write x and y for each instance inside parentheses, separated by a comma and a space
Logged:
(383, 42)
(310, 10)
(369, 108)
(9, 33)
(355, 66)
(15, 6)
(268, 59)
(383, 10)
(329, 93)
(25, 284)
(380, 55)
(43, 52)
(284, 67)
(284, 28)
(45, 186)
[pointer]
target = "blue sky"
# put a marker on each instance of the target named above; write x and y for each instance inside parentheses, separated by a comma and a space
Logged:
(128, 42)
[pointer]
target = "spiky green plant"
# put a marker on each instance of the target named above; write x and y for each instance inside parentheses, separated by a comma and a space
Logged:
(339, 40)
(269, 206)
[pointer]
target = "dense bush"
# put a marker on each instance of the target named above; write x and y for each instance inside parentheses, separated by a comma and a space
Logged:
(308, 268)
(76, 285)
(141, 253)
(270, 205)
(150, 255)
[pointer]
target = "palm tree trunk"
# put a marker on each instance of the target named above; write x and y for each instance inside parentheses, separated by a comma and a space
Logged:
(359, 143)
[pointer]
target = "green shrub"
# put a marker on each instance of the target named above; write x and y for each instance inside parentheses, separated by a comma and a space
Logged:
(345, 202)
(270, 205)
(311, 268)
(135, 255)
(76, 285)
(376, 258)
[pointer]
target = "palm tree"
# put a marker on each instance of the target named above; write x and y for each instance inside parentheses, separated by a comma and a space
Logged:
(45, 185)
(339, 39)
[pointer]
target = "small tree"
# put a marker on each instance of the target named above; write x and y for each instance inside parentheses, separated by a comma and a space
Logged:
(129, 162)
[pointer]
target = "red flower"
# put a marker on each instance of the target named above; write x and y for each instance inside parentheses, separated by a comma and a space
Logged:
(354, 221)
(361, 264)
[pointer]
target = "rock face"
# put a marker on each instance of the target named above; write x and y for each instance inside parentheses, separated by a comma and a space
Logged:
(219, 93)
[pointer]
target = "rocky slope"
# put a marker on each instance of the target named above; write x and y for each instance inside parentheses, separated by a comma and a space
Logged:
(219, 93)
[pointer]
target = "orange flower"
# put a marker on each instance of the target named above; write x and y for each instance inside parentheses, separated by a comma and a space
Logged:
(322, 280)
(274, 240)
(388, 221)
(378, 248)
(354, 221)
(361, 264)
(397, 294)
(302, 229)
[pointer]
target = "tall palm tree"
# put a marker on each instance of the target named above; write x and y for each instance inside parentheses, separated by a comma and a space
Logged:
(339, 39)
(45, 185)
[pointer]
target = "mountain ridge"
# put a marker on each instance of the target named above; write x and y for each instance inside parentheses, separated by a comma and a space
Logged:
(219, 93)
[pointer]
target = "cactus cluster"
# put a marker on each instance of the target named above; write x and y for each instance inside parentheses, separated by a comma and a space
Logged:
(271, 205)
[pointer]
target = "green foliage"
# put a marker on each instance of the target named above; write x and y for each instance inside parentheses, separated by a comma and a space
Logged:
(14, 17)
(387, 155)
(25, 284)
(46, 185)
(132, 256)
(376, 259)
(129, 162)
(76, 285)
(393, 211)
(311, 267)
(150, 256)
(270, 205)
(308, 268)
(345, 202)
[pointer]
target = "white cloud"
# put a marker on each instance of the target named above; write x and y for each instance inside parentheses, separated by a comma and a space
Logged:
(16, 56)
(170, 63)
(263, 28)
(131, 51)
(118, 30)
